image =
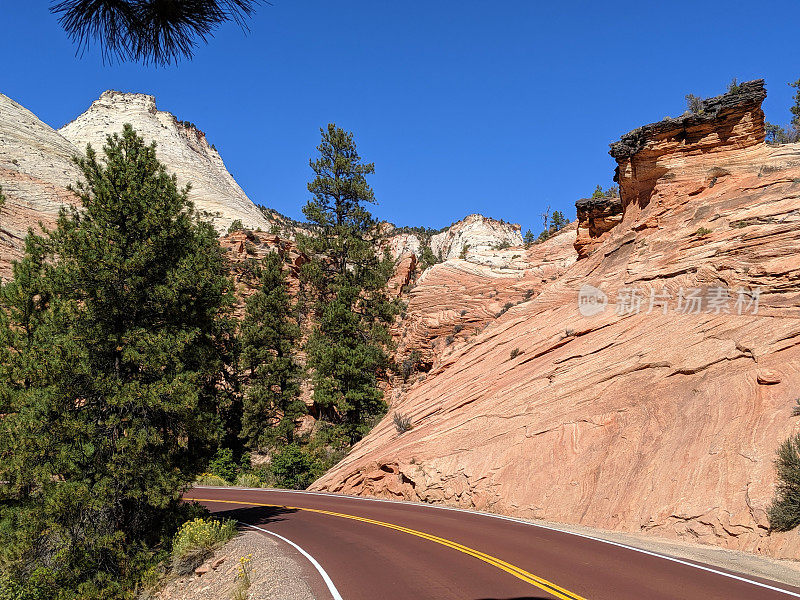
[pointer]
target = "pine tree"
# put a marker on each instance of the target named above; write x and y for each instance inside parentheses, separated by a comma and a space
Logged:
(795, 108)
(150, 31)
(115, 340)
(269, 335)
(346, 281)
(559, 221)
(784, 512)
(529, 239)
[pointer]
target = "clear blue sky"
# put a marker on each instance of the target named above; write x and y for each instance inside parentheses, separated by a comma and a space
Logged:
(499, 107)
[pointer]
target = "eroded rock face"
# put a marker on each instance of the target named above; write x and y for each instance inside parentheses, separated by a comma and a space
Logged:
(244, 249)
(475, 232)
(676, 157)
(596, 217)
(403, 274)
(35, 169)
(451, 303)
(697, 151)
(627, 420)
(180, 146)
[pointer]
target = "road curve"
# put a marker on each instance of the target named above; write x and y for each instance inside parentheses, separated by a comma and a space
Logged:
(401, 551)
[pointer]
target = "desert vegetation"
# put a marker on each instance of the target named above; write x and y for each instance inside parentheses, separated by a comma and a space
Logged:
(784, 512)
(124, 377)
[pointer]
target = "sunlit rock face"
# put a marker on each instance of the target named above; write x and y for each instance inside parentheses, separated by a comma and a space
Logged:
(650, 413)
(35, 169)
(182, 147)
(475, 232)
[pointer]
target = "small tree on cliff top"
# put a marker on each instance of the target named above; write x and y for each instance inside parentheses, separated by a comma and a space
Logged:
(795, 108)
(115, 340)
(528, 239)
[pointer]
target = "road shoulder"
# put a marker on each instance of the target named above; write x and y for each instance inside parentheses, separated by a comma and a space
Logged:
(744, 563)
(278, 572)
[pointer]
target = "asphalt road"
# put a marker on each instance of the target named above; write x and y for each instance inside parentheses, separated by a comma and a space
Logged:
(379, 550)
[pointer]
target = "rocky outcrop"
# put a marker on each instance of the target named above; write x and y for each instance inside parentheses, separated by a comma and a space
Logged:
(182, 147)
(596, 217)
(35, 169)
(657, 161)
(639, 410)
(403, 274)
(244, 249)
(474, 233)
(676, 156)
(451, 303)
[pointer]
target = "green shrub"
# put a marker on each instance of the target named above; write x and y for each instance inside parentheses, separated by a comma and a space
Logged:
(409, 365)
(515, 353)
(402, 423)
(464, 251)
(223, 465)
(236, 226)
(196, 540)
(694, 104)
(250, 480)
(294, 467)
(784, 512)
(39, 585)
(701, 232)
(210, 480)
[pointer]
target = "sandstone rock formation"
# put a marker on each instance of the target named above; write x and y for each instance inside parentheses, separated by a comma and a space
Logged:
(245, 248)
(35, 169)
(475, 232)
(181, 146)
(596, 217)
(631, 418)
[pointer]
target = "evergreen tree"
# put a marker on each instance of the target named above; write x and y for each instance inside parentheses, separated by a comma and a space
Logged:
(529, 239)
(346, 280)
(784, 512)
(115, 340)
(148, 30)
(559, 221)
(427, 258)
(269, 335)
(795, 108)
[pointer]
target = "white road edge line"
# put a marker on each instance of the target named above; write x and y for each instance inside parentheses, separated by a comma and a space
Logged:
(512, 519)
(325, 577)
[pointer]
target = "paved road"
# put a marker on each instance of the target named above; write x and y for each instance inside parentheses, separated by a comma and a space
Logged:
(378, 550)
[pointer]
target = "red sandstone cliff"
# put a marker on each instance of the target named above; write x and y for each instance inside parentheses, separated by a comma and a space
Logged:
(636, 421)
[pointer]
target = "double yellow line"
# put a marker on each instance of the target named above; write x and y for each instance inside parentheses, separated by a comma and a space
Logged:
(522, 574)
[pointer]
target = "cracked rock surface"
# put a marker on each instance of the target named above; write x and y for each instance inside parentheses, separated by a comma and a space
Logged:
(636, 422)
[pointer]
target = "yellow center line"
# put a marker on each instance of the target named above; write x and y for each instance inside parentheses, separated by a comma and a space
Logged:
(517, 572)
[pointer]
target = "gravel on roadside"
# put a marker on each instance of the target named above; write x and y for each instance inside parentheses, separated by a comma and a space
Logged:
(276, 573)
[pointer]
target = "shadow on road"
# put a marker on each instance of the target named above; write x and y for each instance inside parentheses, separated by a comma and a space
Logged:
(256, 515)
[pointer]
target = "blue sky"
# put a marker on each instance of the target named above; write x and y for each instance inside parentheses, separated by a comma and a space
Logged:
(502, 108)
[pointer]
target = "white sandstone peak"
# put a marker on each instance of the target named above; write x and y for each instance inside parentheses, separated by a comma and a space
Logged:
(182, 147)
